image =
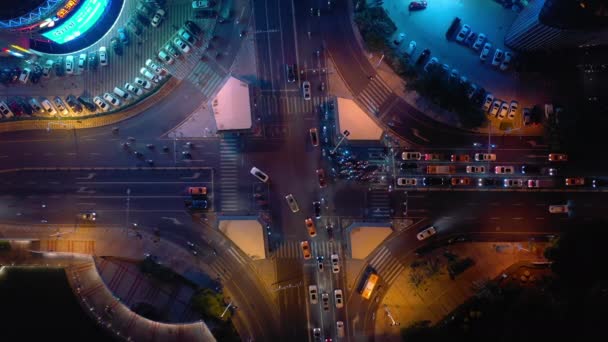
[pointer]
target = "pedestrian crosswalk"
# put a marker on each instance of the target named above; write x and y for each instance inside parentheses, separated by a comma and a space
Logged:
(293, 250)
(374, 95)
(386, 265)
(228, 177)
(272, 105)
(379, 203)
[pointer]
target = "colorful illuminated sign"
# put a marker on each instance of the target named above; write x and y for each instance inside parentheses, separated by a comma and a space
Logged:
(79, 23)
(67, 8)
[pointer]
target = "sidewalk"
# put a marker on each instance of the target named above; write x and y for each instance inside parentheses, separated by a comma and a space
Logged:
(436, 295)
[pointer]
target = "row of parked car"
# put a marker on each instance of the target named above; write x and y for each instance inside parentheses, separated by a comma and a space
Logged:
(479, 42)
(19, 106)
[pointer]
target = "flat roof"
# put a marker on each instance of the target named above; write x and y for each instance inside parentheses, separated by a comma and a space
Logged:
(365, 237)
(247, 234)
(352, 118)
(232, 106)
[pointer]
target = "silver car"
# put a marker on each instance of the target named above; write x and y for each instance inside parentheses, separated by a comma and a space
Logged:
(291, 202)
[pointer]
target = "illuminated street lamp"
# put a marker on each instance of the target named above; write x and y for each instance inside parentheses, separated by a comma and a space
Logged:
(345, 134)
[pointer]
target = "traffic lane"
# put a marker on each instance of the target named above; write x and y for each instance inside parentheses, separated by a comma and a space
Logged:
(263, 44)
(293, 302)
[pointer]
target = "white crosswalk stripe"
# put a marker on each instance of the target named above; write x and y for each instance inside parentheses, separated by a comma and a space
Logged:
(228, 179)
(379, 203)
(292, 249)
(271, 105)
(374, 95)
(386, 266)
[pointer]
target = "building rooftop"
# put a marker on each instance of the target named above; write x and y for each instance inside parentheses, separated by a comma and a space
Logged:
(232, 106)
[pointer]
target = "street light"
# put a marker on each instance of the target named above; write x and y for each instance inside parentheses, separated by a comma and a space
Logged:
(345, 134)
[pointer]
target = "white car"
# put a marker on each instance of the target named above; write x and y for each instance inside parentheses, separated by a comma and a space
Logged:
(111, 99)
(488, 102)
(291, 202)
(147, 74)
(103, 56)
(313, 293)
(158, 17)
(338, 298)
(335, 263)
(411, 156)
(513, 183)
(82, 59)
(425, 234)
(200, 4)
(142, 83)
(476, 169)
(257, 173)
(101, 103)
(505, 62)
(513, 109)
(165, 57)
(559, 209)
(154, 67)
(46, 71)
(407, 181)
(185, 48)
(172, 50)
(60, 105)
(306, 90)
(485, 157)
(502, 170)
(36, 105)
(186, 36)
(495, 107)
(5, 111)
(479, 42)
(464, 32)
(504, 109)
(498, 56)
(69, 65)
(340, 329)
(411, 48)
(46, 104)
(485, 52)
(135, 90)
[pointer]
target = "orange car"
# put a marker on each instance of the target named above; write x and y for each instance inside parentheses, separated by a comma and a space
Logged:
(305, 249)
(310, 225)
(575, 181)
(461, 181)
(558, 157)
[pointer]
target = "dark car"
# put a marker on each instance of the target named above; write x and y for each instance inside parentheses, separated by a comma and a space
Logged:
(317, 207)
(489, 182)
(115, 43)
(530, 169)
(27, 108)
(92, 60)
(596, 183)
(330, 230)
(453, 27)
(470, 39)
(426, 53)
(15, 107)
(87, 103)
(408, 166)
(73, 103)
(193, 28)
(321, 177)
(417, 5)
(59, 66)
(122, 35)
(36, 74)
(291, 73)
(433, 181)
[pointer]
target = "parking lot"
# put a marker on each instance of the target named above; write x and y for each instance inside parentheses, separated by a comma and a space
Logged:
(428, 28)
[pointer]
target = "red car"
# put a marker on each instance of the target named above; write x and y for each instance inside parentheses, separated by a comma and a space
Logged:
(573, 181)
(321, 176)
(417, 5)
(460, 158)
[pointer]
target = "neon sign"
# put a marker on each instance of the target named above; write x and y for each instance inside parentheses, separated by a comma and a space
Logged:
(67, 8)
(79, 23)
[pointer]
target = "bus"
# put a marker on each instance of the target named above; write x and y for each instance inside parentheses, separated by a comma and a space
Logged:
(369, 285)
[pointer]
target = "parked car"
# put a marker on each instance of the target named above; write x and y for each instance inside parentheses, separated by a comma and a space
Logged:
(475, 169)
(506, 61)
(103, 56)
(481, 38)
(115, 44)
(172, 50)
(48, 107)
(165, 57)
(48, 66)
(504, 109)
(417, 5)
(513, 109)
(147, 74)
(155, 67)
(92, 60)
(186, 36)
(122, 35)
(527, 116)
(133, 89)
(430, 63)
(411, 156)
(495, 107)
(411, 48)
(485, 52)
(470, 39)
(498, 56)
(193, 27)
(426, 53)
(69, 64)
(111, 99)
(464, 32)
(513, 183)
(201, 4)
(184, 48)
(488, 102)
(36, 106)
(101, 103)
(73, 103)
(485, 157)
(60, 105)
(259, 174)
(142, 83)
(158, 17)
(501, 170)
(5, 110)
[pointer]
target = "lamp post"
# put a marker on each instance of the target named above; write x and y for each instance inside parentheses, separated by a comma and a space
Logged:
(345, 134)
(128, 207)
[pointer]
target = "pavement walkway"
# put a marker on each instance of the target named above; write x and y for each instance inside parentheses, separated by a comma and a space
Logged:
(425, 291)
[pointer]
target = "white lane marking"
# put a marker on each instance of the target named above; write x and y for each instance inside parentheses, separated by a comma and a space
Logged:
(494, 218)
(518, 218)
(85, 203)
(540, 218)
(89, 176)
(173, 220)
(195, 176)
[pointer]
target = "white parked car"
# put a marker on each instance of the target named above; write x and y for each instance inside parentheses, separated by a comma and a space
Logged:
(185, 48)
(504, 109)
(142, 83)
(505, 62)
(82, 59)
(154, 67)
(411, 156)
(61, 108)
(487, 102)
(501, 170)
(48, 66)
(147, 74)
(464, 32)
(495, 107)
(48, 107)
(101, 103)
(5, 111)
(425, 234)
(103, 56)
(36, 105)
(479, 42)
(513, 109)
(407, 181)
(186, 36)
(135, 90)
(476, 169)
(498, 56)
(485, 52)
(165, 57)
(485, 157)
(306, 90)
(111, 99)
(158, 17)
(259, 174)
(69, 64)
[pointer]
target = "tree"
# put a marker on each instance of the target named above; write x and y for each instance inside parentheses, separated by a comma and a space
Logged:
(210, 304)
